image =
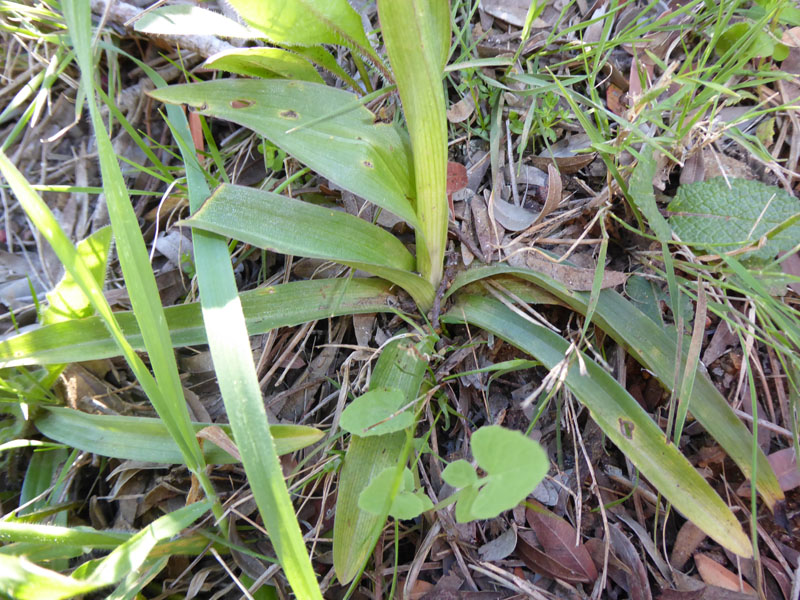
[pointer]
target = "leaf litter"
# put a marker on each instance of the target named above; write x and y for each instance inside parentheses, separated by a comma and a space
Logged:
(307, 372)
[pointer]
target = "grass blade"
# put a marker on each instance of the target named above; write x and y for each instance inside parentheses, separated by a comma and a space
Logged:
(238, 382)
(25, 580)
(166, 392)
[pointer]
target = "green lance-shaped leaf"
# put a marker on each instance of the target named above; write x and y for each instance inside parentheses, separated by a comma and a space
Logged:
(416, 32)
(295, 227)
(655, 348)
(187, 19)
(264, 62)
(266, 308)
(307, 23)
(619, 416)
(369, 158)
(401, 366)
(25, 580)
(147, 439)
(67, 300)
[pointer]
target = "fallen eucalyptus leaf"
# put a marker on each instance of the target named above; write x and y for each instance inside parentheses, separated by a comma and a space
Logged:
(512, 217)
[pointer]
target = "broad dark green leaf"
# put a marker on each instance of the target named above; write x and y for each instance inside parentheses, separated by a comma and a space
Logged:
(655, 348)
(299, 228)
(401, 366)
(147, 439)
(725, 214)
(620, 417)
(265, 308)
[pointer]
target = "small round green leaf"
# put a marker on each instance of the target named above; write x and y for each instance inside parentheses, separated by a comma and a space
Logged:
(375, 413)
(406, 504)
(514, 463)
(460, 474)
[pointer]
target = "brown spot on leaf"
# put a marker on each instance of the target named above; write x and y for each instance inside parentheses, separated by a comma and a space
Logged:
(289, 114)
(242, 103)
(626, 427)
(368, 164)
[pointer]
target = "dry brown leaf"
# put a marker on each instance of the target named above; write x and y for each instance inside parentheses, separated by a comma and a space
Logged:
(513, 217)
(484, 228)
(558, 538)
(704, 592)
(714, 573)
(564, 155)
(575, 278)
(784, 463)
(217, 436)
(689, 539)
(694, 169)
(638, 585)
(500, 547)
(510, 11)
(554, 189)
(780, 576)
(721, 341)
(543, 563)
(617, 570)
(614, 100)
(461, 110)
(791, 37)
(791, 266)
(456, 177)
